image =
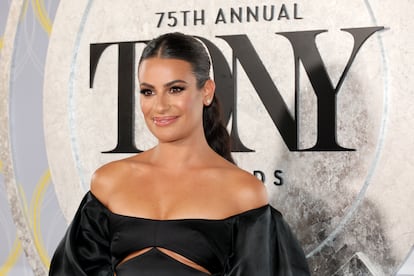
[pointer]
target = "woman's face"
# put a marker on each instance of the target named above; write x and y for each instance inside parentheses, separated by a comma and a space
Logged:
(171, 103)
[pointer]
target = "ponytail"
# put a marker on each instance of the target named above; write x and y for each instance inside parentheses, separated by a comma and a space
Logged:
(215, 131)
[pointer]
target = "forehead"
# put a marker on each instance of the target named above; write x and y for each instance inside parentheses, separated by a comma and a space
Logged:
(164, 69)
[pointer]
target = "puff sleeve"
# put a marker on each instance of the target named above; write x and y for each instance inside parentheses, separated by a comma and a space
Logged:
(264, 245)
(85, 248)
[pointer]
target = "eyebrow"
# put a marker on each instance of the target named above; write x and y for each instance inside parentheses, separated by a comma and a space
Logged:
(165, 85)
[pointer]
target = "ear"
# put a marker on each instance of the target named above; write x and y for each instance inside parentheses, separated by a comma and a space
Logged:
(208, 92)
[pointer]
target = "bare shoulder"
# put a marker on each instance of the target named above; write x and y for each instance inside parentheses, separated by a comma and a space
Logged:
(247, 191)
(107, 179)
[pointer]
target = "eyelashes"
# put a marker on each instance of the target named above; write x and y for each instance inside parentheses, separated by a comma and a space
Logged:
(146, 92)
(176, 89)
(172, 90)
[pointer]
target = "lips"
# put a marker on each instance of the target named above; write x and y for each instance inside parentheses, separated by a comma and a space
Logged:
(164, 121)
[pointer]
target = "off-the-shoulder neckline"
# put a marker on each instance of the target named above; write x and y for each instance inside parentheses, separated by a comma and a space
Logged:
(243, 213)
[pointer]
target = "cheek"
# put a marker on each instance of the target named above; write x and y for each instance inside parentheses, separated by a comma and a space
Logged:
(193, 103)
(184, 104)
(145, 106)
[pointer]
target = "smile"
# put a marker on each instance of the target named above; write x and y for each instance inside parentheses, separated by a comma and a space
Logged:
(164, 121)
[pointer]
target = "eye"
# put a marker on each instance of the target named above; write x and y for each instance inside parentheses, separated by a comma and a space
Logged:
(176, 89)
(146, 92)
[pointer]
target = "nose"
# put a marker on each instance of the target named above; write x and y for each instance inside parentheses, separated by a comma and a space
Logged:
(162, 103)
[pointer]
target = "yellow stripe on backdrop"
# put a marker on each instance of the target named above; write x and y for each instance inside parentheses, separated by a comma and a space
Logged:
(41, 14)
(35, 207)
(24, 11)
(12, 258)
(35, 220)
(37, 198)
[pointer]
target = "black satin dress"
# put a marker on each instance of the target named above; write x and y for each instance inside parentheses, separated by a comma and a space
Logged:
(255, 243)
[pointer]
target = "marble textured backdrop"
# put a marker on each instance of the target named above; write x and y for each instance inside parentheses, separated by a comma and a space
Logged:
(350, 210)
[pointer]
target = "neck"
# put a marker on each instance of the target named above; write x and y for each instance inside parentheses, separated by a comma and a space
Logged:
(180, 154)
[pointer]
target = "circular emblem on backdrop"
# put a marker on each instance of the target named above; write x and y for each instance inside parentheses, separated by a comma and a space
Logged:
(303, 96)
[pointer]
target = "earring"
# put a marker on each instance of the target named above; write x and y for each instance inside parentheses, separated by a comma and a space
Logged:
(208, 101)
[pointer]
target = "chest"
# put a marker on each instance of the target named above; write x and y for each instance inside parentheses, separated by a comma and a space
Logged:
(205, 242)
(171, 200)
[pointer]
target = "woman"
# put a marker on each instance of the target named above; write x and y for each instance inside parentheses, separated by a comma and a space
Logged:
(183, 207)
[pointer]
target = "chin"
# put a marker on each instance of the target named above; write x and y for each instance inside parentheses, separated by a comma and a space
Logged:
(165, 137)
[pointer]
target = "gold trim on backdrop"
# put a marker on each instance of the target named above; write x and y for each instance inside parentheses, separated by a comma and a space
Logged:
(37, 199)
(20, 217)
(41, 14)
(24, 12)
(12, 258)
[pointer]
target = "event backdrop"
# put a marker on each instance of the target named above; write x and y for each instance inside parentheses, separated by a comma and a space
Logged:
(317, 96)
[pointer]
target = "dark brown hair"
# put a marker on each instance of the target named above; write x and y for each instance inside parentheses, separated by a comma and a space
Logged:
(188, 48)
